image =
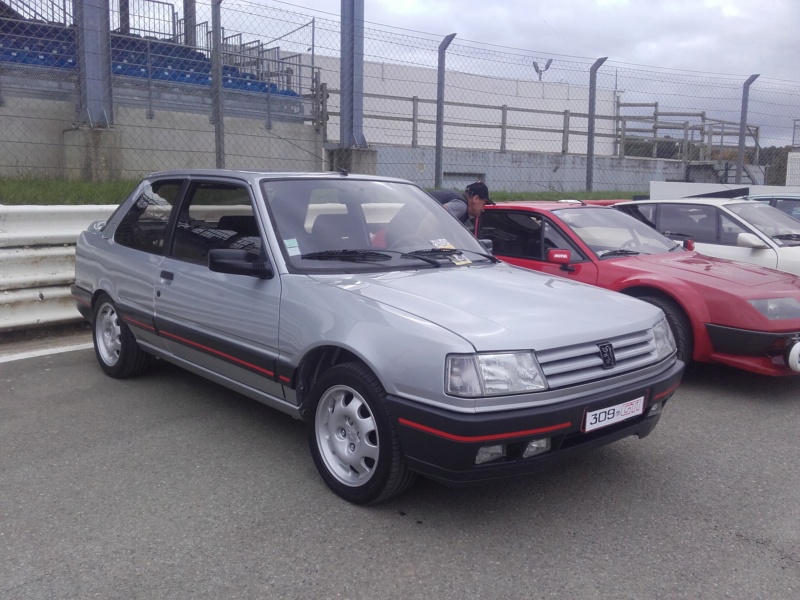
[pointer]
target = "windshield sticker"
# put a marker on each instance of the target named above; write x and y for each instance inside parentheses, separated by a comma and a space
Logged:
(459, 259)
(442, 243)
(292, 249)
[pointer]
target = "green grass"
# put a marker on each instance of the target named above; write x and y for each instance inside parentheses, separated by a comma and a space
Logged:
(58, 192)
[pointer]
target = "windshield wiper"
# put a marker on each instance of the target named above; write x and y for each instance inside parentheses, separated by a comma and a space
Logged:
(619, 252)
(348, 255)
(449, 252)
(352, 255)
(786, 236)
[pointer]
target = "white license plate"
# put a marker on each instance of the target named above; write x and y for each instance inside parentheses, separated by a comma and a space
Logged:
(613, 414)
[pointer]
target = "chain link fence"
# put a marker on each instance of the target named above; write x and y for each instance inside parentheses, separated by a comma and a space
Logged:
(114, 92)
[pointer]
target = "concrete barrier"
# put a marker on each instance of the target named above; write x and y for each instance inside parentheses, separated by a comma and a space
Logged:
(37, 262)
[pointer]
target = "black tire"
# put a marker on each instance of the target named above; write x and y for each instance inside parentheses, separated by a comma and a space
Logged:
(678, 322)
(114, 345)
(352, 439)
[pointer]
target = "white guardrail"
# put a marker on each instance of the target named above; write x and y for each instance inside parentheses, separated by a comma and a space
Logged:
(37, 263)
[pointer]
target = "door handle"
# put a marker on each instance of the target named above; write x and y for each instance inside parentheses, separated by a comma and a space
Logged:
(167, 275)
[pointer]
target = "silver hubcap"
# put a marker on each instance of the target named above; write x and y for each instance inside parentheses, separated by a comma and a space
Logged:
(347, 436)
(107, 334)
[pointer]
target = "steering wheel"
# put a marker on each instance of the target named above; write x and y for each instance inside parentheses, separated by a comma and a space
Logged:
(631, 243)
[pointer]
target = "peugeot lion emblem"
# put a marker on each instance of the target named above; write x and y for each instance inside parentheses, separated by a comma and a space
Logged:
(607, 355)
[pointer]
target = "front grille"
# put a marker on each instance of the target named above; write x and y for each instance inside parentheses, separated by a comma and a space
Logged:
(571, 365)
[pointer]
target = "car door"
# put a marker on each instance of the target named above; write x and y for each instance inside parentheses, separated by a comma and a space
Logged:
(523, 238)
(714, 231)
(139, 236)
(225, 323)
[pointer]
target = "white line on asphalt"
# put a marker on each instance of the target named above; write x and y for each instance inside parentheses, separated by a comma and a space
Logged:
(44, 352)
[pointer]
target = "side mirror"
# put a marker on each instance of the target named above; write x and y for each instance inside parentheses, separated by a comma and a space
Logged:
(238, 262)
(750, 240)
(560, 257)
(488, 244)
(688, 245)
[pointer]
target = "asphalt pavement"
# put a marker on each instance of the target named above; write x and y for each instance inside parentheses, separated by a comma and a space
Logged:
(168, 486)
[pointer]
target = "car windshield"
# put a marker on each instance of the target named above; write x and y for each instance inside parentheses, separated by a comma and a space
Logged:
(346, 224)
(610, 233)
(782, 228)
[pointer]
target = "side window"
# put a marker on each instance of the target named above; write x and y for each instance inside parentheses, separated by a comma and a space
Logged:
(215, 216)
(729, 231)
(517, 234)
(790, 207)
(144, 226)
(686, 221)
(646, 213)
(553, 238)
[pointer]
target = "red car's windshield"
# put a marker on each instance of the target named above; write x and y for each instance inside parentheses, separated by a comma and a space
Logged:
(607, 232)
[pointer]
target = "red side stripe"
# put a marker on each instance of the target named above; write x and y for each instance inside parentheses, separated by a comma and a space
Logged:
(139, 324)
(218, 353)
(482, 438)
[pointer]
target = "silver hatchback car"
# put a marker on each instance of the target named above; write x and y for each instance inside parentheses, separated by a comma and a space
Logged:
(361, 306)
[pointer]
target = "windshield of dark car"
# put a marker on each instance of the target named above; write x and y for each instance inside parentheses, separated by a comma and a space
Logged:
(609, 232)
(316, 218)
(769, 220)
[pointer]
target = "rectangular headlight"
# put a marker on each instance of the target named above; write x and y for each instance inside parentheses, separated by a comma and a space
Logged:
(778, 309)
(473, 376)
(664, 340)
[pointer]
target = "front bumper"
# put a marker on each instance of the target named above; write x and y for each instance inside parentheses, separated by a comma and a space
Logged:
(755, 351)
(443, 445)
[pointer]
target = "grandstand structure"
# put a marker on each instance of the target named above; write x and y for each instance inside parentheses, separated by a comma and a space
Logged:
(137, 54)
(147, 62)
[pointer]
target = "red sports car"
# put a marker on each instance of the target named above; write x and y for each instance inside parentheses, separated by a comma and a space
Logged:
(721, 311)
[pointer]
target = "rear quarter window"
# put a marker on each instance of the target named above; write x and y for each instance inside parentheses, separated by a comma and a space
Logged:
(144, 226)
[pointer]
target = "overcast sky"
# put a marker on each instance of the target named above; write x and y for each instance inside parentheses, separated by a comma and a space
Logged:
(737, 37)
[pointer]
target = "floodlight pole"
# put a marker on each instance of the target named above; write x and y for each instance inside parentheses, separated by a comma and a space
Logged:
(590, 129)
(743, 127)
(217, 110)
(440, 111)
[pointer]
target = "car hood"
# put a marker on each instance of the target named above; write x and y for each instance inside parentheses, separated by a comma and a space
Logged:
(691, 266)
(501, 307)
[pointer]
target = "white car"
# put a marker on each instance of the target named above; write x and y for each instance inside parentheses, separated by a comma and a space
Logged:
(787, 202)
(732, 228)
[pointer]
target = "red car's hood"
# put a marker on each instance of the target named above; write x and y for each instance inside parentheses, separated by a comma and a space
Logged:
(691, 265)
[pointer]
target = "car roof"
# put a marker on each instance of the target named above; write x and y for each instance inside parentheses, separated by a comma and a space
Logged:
(790, 195)
(254, 176)
(543, 205)
(699, 201)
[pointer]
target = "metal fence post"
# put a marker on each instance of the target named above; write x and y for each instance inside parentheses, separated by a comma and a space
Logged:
(216, 84)
(503, 126)
(743, 127)
(440, 110)
(94, 62)
(655, 131)
(590, 129)
(351, 130)
(565, 135)
(415, 121)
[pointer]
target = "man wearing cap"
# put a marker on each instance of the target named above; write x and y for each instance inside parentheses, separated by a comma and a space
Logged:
(467, 206)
